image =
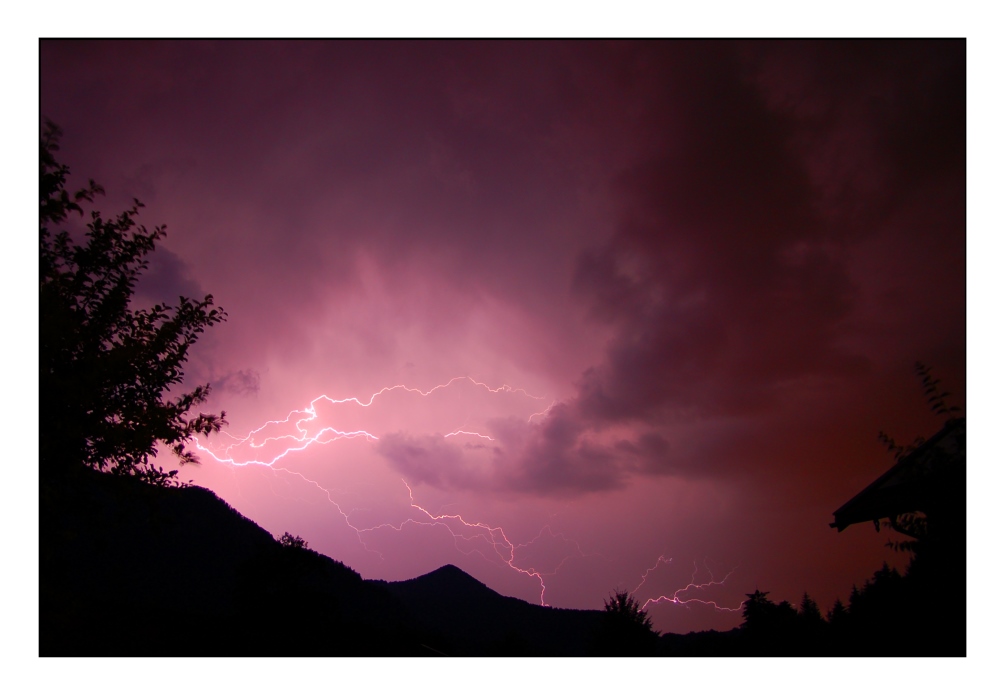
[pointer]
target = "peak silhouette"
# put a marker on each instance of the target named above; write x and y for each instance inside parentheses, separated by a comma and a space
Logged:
(469, 618)
(447, 583)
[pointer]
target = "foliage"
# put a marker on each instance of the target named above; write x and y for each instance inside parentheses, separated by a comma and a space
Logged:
(809, 611)
(881, 589)
(290, 541)
(837, 613)
(938, 400)
(897, 450)
(756, 609)
(889, 615)
(626, 629)
(106, 370)
(621, 606)
(761, 614)
(914, 525)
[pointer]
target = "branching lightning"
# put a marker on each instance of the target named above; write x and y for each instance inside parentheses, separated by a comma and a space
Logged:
(302, 439)
(293, 434)
(680, 596)
(493, 538)
(495, 543)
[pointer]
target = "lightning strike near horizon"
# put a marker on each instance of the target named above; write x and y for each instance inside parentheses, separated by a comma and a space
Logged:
(678, 596)
(493, 536)
(274, 444)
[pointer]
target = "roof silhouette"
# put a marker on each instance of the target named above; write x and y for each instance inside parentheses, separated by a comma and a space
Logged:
(929, 477)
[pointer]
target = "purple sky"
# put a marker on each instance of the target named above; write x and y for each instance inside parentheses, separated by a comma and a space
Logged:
(682, 286)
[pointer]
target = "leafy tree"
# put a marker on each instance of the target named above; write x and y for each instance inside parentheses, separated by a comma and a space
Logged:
(915, 526)
(938, 402)
(937, 399)
(107, 371)
(290, 541)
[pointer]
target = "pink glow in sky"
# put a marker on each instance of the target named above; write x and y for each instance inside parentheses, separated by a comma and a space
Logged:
(667, 293)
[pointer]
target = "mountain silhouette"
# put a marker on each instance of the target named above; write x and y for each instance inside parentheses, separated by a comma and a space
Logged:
(469, 618)
(129, 569)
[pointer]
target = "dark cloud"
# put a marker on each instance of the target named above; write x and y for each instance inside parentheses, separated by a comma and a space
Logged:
(545, 458)
(556, 456)
(240, 382)
(728, 281)
(728, 276)
(432, 460)
(167, 279)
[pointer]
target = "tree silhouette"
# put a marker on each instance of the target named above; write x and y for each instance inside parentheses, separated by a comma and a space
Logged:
(758, 610)
(626, 629)
(771, 628)
(937, 399)
(809, 611)
(621, 606)
(290, 541)
(106, 370)
(939, 405)
(837, 614)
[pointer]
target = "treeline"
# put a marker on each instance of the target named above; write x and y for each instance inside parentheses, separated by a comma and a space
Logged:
(890, 615)
(919, 613)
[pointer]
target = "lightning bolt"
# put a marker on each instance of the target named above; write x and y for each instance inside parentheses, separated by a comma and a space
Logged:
(679, 596)
(466, 432)
(302, 439)
(295, 433)
(494, 540)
